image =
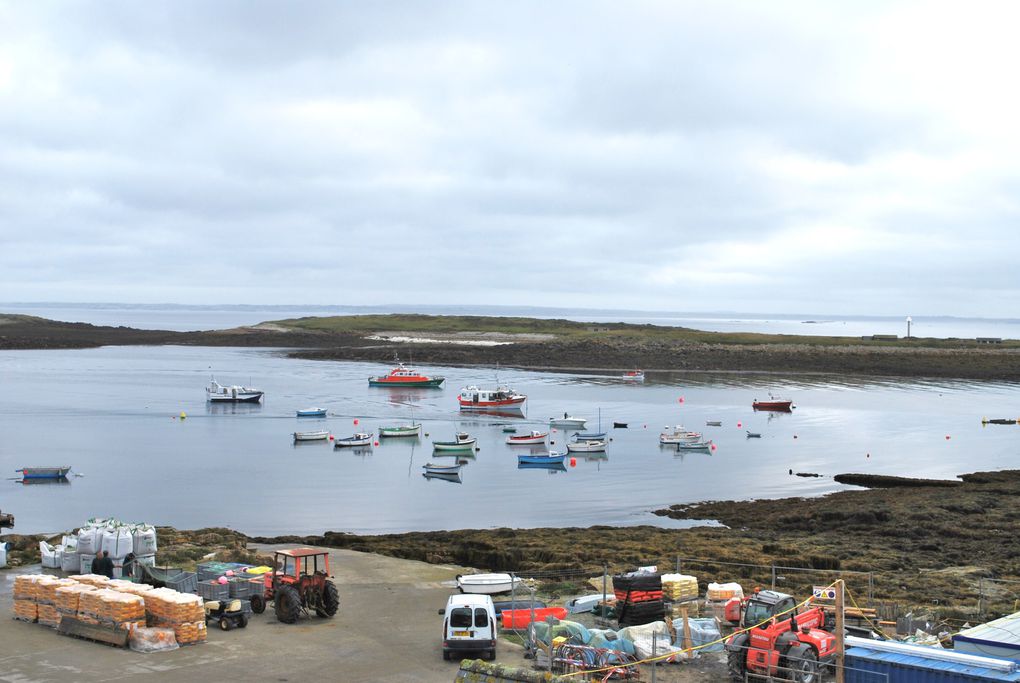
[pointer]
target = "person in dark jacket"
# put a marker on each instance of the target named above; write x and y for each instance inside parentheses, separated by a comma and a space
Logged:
(129, 566)
(106, 568)
(97, 563)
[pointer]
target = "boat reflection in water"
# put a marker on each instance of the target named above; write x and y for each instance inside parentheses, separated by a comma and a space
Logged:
(63, 481)
(232, 408)
(453, 478)
(550, 467)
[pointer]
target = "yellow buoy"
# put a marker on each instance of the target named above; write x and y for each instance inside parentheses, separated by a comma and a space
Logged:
(183, 415)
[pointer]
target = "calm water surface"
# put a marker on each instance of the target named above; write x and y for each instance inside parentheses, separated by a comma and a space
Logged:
(109, 413)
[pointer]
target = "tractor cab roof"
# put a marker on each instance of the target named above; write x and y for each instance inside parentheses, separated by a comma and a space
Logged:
(769, 597)
(301, 552)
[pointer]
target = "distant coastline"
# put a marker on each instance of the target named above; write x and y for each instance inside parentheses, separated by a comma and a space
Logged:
(552, 344)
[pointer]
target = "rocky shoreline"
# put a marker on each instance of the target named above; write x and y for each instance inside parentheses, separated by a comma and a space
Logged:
(914, 545)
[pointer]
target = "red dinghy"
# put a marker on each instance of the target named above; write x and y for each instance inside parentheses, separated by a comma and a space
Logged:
(527, 439)
(774, 403)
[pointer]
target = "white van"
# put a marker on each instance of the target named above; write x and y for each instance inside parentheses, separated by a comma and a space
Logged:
(469, 624)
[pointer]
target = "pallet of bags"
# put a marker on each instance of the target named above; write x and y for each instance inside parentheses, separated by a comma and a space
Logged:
(26, 607)
(679, 587)
(68, 597)
(183, 612)
(121, 610)
(97, 580)
(46, 596)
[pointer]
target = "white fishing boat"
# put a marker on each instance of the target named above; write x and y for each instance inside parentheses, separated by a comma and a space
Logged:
(311, 436)
(527, 439)
(462, 441)
(401, 430)
(500, 398)
(586, 603)
(694, 446)
(311, 412)
(432, 468)
(587, 446)
(487, 584)
(678, 435)
(635, 375)
(567, 422)
(217, 393)
(359, 439)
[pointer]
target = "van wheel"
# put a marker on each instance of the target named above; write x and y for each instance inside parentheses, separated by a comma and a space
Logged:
(492, 654)
(446, 655)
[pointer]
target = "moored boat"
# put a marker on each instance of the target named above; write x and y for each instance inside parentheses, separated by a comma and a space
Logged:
(56, 472)
(635, 375)
(401, 430)
(453, 478)
(753, 435)
(589, 436)
(311, 412)
(713, 423)
(527, 439)
(678, 435)
(462, 441)
(510, 430)
(587, 446)
(502, 398)
(619, 425)
(217, 393)
(773, 403)
(567, 422)
(320, 435)
(432, 468)
(550, 458)
(694, 445)
(402, 376)
(487, 584)
(359, 439)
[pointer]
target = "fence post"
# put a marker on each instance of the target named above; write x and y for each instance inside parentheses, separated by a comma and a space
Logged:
(678, 563)
(871, 587)
(654, 641)
(981, 596)
(773, 576)
(605, 578)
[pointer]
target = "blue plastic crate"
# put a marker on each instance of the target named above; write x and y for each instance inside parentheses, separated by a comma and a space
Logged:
(213, 590)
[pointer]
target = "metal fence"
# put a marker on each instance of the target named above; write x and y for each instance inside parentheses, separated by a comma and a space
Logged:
(778, 576)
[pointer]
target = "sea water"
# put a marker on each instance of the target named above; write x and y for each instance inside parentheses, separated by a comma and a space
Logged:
(113, 414)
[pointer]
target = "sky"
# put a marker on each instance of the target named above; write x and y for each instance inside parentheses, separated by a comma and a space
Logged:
(856, 158)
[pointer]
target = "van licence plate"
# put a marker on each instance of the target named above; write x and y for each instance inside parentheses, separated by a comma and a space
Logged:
(462, 634)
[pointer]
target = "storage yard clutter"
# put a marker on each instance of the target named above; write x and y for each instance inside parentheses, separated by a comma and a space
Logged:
(679, 587)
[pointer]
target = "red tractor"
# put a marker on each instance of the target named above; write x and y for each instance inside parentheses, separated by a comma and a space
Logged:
(300, 582)
(785, 643)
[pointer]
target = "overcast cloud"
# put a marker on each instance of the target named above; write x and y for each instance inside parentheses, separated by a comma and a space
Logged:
(859, 158)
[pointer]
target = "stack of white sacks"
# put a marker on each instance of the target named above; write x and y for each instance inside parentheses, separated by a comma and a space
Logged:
(76, 552)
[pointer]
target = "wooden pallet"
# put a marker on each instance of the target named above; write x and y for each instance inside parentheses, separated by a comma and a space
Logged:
(70, 626)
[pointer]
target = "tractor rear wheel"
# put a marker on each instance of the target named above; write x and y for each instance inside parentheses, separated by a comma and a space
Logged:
(258, 604)
(735, 662)
(329, 601)
(288, 604)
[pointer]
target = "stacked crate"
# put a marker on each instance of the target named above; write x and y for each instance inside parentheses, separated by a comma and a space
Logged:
(638, 598)
(26, 606)
(46, 596)
(183, 612)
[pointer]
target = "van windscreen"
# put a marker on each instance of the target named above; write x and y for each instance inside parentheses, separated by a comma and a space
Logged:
(460, 617)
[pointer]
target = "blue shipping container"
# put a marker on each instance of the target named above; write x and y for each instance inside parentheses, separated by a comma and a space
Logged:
(873, 666)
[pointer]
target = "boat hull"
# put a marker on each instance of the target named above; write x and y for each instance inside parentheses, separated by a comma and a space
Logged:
(432, 383)
(568, 422)
(311, 436)
(454, 446)
(487, 584)
(312, 412)
(400, 431)
(44, 472)
(526, 440)
(253, 397)
(775, 406)
(352, 443)
(587, 447)
(540, 459)
(506, 404)
(450, 470)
